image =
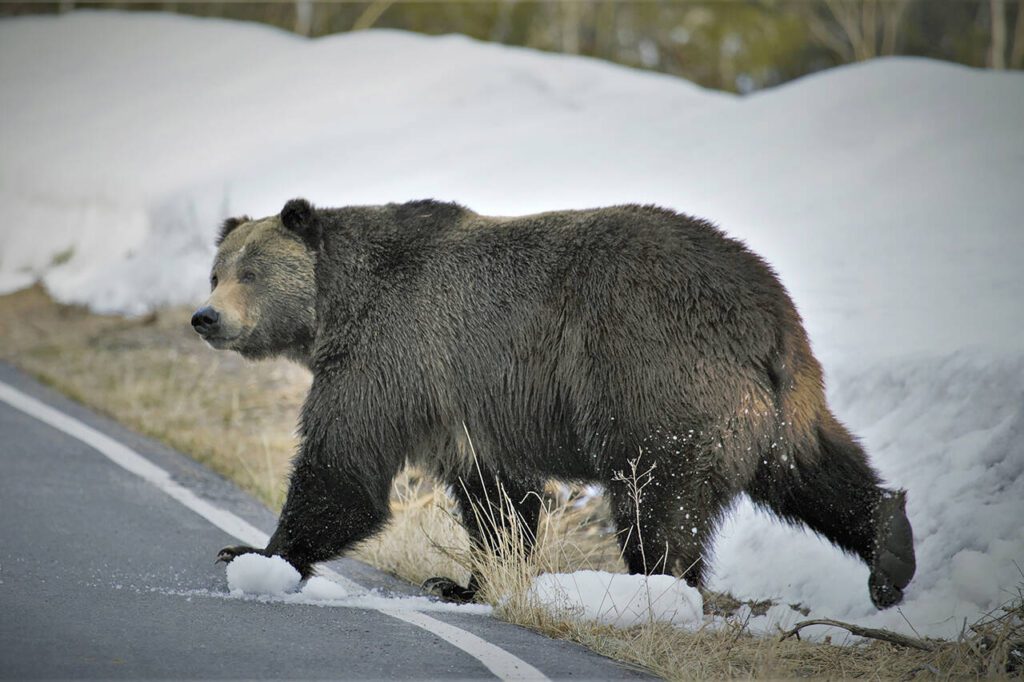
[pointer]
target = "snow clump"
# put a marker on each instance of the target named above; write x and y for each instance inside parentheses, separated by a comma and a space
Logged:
(620, 600)
(261, 575)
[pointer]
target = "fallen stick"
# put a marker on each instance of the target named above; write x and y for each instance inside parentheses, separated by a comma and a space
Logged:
(871, 633)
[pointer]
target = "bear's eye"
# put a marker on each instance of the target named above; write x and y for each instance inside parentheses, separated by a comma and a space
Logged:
(213, 282)
(247, 277)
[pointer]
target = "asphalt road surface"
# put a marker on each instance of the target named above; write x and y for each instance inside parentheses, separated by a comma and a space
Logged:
(107, 571)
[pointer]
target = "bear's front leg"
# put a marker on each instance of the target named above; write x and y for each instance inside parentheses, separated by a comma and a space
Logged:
(338, 493)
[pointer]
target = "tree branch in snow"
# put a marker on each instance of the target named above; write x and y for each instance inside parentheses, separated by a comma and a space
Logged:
(871, 633)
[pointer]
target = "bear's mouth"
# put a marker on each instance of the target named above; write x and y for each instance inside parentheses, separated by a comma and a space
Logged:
(219, 342)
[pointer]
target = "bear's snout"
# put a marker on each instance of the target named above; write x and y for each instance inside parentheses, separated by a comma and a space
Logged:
(205, 320)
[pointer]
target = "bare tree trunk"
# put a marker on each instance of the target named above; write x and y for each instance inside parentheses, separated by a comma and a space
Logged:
(570, 27)
(1017, 54)
(604, 31)
(303, 17)
(502, 21)
(997, 19)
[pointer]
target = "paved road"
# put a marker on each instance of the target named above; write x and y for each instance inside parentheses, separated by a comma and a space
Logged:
(105, 574)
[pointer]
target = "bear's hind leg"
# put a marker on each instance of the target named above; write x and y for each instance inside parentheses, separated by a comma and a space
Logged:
(836, 493)
(486, 502)
(673, 530)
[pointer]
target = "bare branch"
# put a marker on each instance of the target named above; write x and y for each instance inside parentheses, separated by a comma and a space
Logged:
(871, 633)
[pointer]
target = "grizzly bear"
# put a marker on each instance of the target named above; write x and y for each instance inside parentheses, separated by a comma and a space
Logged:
(563, 345)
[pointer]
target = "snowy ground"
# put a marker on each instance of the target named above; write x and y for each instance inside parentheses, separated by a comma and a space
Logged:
(887, 195)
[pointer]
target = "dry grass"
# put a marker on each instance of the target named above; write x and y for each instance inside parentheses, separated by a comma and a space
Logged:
(153, 375)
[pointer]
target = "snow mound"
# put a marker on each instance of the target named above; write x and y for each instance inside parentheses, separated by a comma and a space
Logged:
(262, 575)
(619, 600)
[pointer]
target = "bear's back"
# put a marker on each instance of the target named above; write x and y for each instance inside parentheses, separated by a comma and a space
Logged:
(441, 264)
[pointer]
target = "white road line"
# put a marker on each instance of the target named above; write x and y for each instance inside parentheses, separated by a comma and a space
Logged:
(504, 665)
(500, 662)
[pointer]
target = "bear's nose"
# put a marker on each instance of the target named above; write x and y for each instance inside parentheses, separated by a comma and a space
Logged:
(205, 319)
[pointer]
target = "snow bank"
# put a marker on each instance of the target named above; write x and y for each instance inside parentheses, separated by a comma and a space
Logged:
(886, 194)
(144, 145)
(618, 599)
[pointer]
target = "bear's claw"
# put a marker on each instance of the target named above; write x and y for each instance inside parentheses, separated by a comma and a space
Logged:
(448, 590)
(228, 554)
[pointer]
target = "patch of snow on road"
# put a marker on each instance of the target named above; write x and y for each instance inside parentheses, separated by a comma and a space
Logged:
(619, 600)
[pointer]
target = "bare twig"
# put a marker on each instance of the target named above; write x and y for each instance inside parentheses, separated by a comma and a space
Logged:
(871, 633)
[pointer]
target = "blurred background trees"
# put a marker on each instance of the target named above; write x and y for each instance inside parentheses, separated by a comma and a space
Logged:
(737, 45)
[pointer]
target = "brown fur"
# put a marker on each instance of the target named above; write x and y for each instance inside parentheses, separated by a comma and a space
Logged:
(561, 345)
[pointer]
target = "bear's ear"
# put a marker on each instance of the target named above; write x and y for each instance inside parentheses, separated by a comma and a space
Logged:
(228, 227)
(299, 216)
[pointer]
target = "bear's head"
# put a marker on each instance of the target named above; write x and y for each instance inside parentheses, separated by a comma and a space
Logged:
(263, 285)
